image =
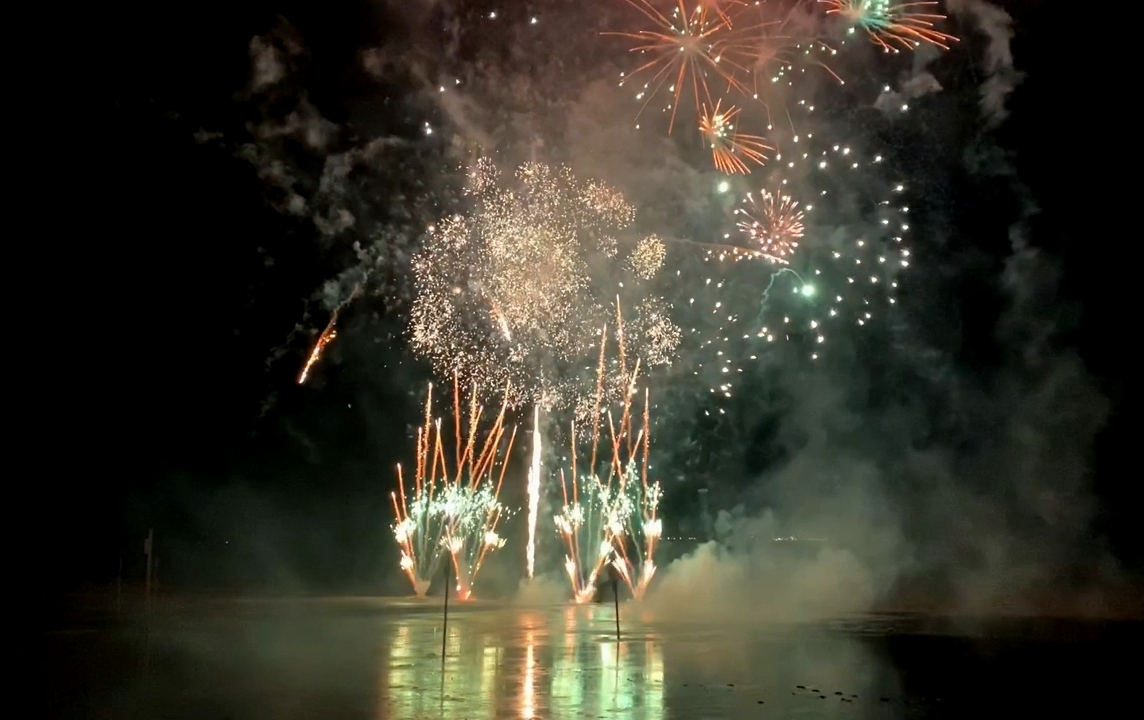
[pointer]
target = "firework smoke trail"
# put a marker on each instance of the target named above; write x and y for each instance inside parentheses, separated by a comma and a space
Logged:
(454, 510)
(612, 506)
(534, 491)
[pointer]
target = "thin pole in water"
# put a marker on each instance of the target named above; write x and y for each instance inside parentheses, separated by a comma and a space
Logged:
(616, 595)
(445, 628)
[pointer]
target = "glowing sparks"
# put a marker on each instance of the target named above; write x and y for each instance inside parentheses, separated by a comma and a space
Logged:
(893, 25)
(324, 339)
(647, 258)
(515, 290)
(328, 335)
(609, 515)
(452, 510)
(773, 224)
(730, 150)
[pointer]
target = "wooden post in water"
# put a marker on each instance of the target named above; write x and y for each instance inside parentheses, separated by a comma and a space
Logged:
(445, 626)
(616, 595)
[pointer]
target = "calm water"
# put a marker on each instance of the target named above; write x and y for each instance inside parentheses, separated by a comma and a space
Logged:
(382, 659)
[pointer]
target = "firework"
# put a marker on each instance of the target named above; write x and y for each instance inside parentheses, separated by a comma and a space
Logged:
(328, 335)
(609, 515)
(686, 47)
(729, 148)
(324, 339)
(893, 25)
(453, 509)
(773, 223)
(514, 291)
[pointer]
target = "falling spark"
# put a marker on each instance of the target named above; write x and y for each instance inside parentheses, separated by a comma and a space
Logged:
(328, 335)
(324, 339)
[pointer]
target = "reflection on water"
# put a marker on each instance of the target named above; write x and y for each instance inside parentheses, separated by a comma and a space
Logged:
(542, 665)
(382, 659)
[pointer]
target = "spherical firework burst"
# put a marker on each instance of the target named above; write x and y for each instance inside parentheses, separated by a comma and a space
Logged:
(686, 47)
(516, 290)
(452, 510)
(892, 24)
(772, 223)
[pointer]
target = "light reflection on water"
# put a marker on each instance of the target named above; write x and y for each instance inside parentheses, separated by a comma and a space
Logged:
(367, 658)
(549, 664)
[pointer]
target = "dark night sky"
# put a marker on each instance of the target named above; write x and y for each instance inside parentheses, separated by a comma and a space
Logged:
(162, 359)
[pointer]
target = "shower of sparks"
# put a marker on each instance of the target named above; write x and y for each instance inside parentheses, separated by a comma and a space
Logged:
(452, 510)
(730, 150)
(515, 291)
(773, 224)
(893, 25)
(534, 490)
(647, 258)
(610, 510)
(685, 47)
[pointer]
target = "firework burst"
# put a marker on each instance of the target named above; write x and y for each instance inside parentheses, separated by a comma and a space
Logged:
(610, 510)
(452, 510)
(730, 150)
(893, 25)
(686, 48)
(515, 291)
(772, 222)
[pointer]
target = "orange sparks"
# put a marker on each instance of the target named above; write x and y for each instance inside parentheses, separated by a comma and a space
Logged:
(453, 510)
(324, 339)
(893, 25)
(730, 150)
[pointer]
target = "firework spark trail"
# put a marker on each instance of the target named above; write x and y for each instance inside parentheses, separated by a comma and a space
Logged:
(610, 509)
(454, 510)
(534, 491)
(513, 290)
(328, 335)
(324, 339)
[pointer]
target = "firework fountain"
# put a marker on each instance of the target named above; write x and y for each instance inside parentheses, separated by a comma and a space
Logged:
(454, 509)
(609, 515)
